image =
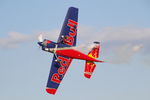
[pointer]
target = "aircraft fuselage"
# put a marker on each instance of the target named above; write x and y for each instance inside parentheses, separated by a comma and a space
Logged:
(70, 52)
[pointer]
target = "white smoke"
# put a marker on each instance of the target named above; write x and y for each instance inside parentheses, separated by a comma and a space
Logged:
(124, 53)
(119, 44)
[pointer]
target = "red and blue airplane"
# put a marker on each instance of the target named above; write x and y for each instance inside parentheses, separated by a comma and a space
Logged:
(64, 52)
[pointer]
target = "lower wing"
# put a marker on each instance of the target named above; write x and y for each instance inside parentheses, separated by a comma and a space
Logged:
(58, 69)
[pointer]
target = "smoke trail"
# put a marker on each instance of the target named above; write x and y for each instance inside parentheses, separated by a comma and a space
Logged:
(124, 54)
(120, 44)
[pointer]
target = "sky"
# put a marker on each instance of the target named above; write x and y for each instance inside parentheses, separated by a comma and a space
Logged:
(122, 27)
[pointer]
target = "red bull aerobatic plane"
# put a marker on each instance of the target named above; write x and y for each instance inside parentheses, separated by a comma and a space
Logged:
(64, 52)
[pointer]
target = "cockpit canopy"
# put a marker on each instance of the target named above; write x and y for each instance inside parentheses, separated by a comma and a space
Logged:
(47, 44)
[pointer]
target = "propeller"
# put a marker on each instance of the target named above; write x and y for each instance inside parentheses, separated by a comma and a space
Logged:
(40, 38)
(42, 42)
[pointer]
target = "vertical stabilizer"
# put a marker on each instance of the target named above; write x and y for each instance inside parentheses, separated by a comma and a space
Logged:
(94, 53)
(90, 66)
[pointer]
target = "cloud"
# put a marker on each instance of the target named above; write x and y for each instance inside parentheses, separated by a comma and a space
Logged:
(16, 39)
(136, 48)
(126, 33)
(124, 53)
(118, 44)
(13, 40)
(86, 34)
(115, 33)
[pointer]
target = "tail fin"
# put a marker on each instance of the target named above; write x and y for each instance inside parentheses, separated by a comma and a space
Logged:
(90, 66)
(94, 53)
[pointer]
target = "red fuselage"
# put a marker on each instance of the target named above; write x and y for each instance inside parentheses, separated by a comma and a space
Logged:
(66, 51)
(72, 53)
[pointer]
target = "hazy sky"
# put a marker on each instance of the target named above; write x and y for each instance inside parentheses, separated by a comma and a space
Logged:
(122, 27)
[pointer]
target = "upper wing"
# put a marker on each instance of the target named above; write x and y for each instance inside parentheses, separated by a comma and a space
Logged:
(57, 72)
(69, 30)
(67, 38)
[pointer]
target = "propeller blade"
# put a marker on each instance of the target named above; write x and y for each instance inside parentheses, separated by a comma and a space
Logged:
(40, 38)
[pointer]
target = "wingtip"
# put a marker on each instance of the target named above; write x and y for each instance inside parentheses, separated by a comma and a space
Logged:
(51, 91)
(73, 7)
